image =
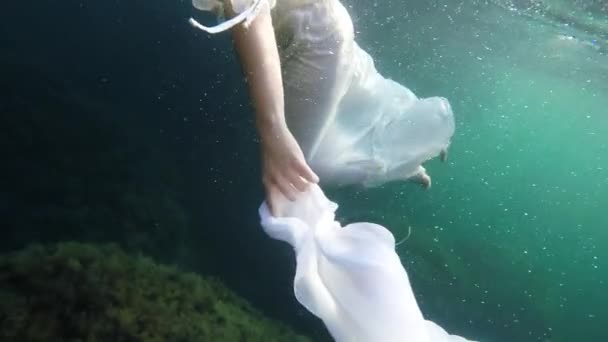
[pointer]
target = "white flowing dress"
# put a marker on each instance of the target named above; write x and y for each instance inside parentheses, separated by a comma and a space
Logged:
(354, 125)
(350, 277)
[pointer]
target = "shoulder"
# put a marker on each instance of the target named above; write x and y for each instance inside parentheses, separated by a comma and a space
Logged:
(218, 6)
(240, 6)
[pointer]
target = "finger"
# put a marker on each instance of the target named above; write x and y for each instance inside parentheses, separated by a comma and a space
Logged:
(298, 182)
(306, 172)
(268, 191)
(286, 188)
(272, 194)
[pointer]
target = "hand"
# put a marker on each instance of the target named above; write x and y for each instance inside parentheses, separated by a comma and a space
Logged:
(284, 168)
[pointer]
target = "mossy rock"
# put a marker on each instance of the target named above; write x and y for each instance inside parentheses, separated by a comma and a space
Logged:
(83, 292)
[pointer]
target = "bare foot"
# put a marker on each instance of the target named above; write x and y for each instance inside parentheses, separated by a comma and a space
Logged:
(443, 155)
(423, 178)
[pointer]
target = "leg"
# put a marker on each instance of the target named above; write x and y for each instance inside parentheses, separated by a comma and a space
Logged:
(315, 72)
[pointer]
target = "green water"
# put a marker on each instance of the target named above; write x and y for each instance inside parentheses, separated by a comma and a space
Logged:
(509, 243)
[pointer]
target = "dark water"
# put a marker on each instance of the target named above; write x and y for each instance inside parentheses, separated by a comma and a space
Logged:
(120, 123)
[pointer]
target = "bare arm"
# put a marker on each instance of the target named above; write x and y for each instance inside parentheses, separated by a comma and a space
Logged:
(283, 164)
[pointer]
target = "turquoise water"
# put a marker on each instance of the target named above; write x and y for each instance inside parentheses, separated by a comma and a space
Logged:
(509, 243)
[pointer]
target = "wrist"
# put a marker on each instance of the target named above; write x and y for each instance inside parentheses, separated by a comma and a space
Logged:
(271, 127)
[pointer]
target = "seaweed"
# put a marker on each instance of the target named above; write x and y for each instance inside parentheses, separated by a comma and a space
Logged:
(84, 292)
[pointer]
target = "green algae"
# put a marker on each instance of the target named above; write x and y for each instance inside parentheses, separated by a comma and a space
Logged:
(84, 292)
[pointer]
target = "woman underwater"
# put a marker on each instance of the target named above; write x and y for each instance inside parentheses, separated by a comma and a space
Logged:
(323, 109)
(323, 112)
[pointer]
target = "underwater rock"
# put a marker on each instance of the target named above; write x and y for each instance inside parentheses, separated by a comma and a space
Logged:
(85, 292)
